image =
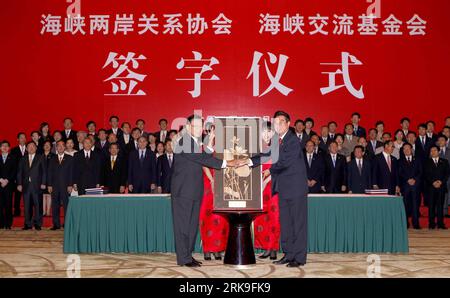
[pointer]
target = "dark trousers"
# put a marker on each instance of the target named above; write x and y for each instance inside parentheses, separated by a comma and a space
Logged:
(59, 198)
(6, 211)
(185, 213)
(33, 207)
(293, 224)
(436, 207)
(17, 197)
(411, 200)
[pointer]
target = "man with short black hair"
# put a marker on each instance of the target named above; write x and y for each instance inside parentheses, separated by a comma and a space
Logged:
(8, 172)
(31, 180)
(385, 170)
(436, 173)
(162, 134)
(357, 129)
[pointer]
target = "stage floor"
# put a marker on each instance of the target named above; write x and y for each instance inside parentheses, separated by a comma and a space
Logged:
(39, 254)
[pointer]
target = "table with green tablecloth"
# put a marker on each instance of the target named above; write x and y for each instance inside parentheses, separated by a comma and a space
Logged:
(143, 224)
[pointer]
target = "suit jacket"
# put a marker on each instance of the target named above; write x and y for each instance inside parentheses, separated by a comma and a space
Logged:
(158, 136)
(335, 176)
(114, 178)
(72, 135)
(86, 172)
(104, 151)
(8, 170)
(372, 150)
(31, 178)
(406, 171)
(187, 172)
(360, 132)
(141, 174)
(17, 153)
(164, 173)
(288, 170)
(422, 152)
(358, 183)
(315, 172)
(323, 145)
(381, 175)
(60, 175)
(433, 173)
(305, 138)
(118, 134)
(350, 145)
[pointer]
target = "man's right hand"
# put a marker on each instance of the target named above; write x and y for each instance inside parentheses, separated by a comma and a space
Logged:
(130, 188)
(19, 188)
(50, 189)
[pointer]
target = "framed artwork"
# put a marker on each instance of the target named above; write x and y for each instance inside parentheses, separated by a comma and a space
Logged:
(237, 188)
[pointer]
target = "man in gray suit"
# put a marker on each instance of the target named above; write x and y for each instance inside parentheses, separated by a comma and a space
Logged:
(289, 180)
(187, 186)
(31, 180)
(350, 140)
(444, 153)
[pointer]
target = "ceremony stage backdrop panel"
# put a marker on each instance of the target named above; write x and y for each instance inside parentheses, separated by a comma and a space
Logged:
(47, 75)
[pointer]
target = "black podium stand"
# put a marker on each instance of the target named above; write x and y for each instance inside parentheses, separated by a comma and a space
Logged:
(240, 250)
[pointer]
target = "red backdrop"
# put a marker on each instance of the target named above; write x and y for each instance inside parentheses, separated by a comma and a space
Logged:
(46, 77)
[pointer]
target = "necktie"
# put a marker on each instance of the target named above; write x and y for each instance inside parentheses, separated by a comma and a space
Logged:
(163, 136)
(4, 158)
(334, 161)
(309, 160)
(409, 159)
(436, 162)
(423, 141)
(170, 160)
(113, 161)
(280, 141)
(389, 163)
(442, 153)
(360, 167)
(87, 155)
(142, 156)
(30, 160)
(60, 159)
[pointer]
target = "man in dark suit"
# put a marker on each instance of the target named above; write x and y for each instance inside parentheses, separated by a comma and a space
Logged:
(404, 123)
(430, 131)
(317, 148)
(300, 132)
(335, 178)
(162, 134)
(115, 129)
(373, 144)
(69, 133)
(422, 153)
(125, 139)
(91, 128)
(332, 128)
(436, 173)
(142, 169)
(102, 145)
(86, 168)
(315, 168)
(324, 139)
(164, 168)
(187, 187)
(134, 143)
(114, 171)
(31, 179)
(18, 152)
(140, 123)
(385, 170)
(410, 176)
(8, 173)
(60, 182)
(289, 181)
(357, 130)
(359, 172)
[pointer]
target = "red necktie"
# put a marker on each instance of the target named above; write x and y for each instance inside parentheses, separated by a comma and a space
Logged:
(280, 141)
